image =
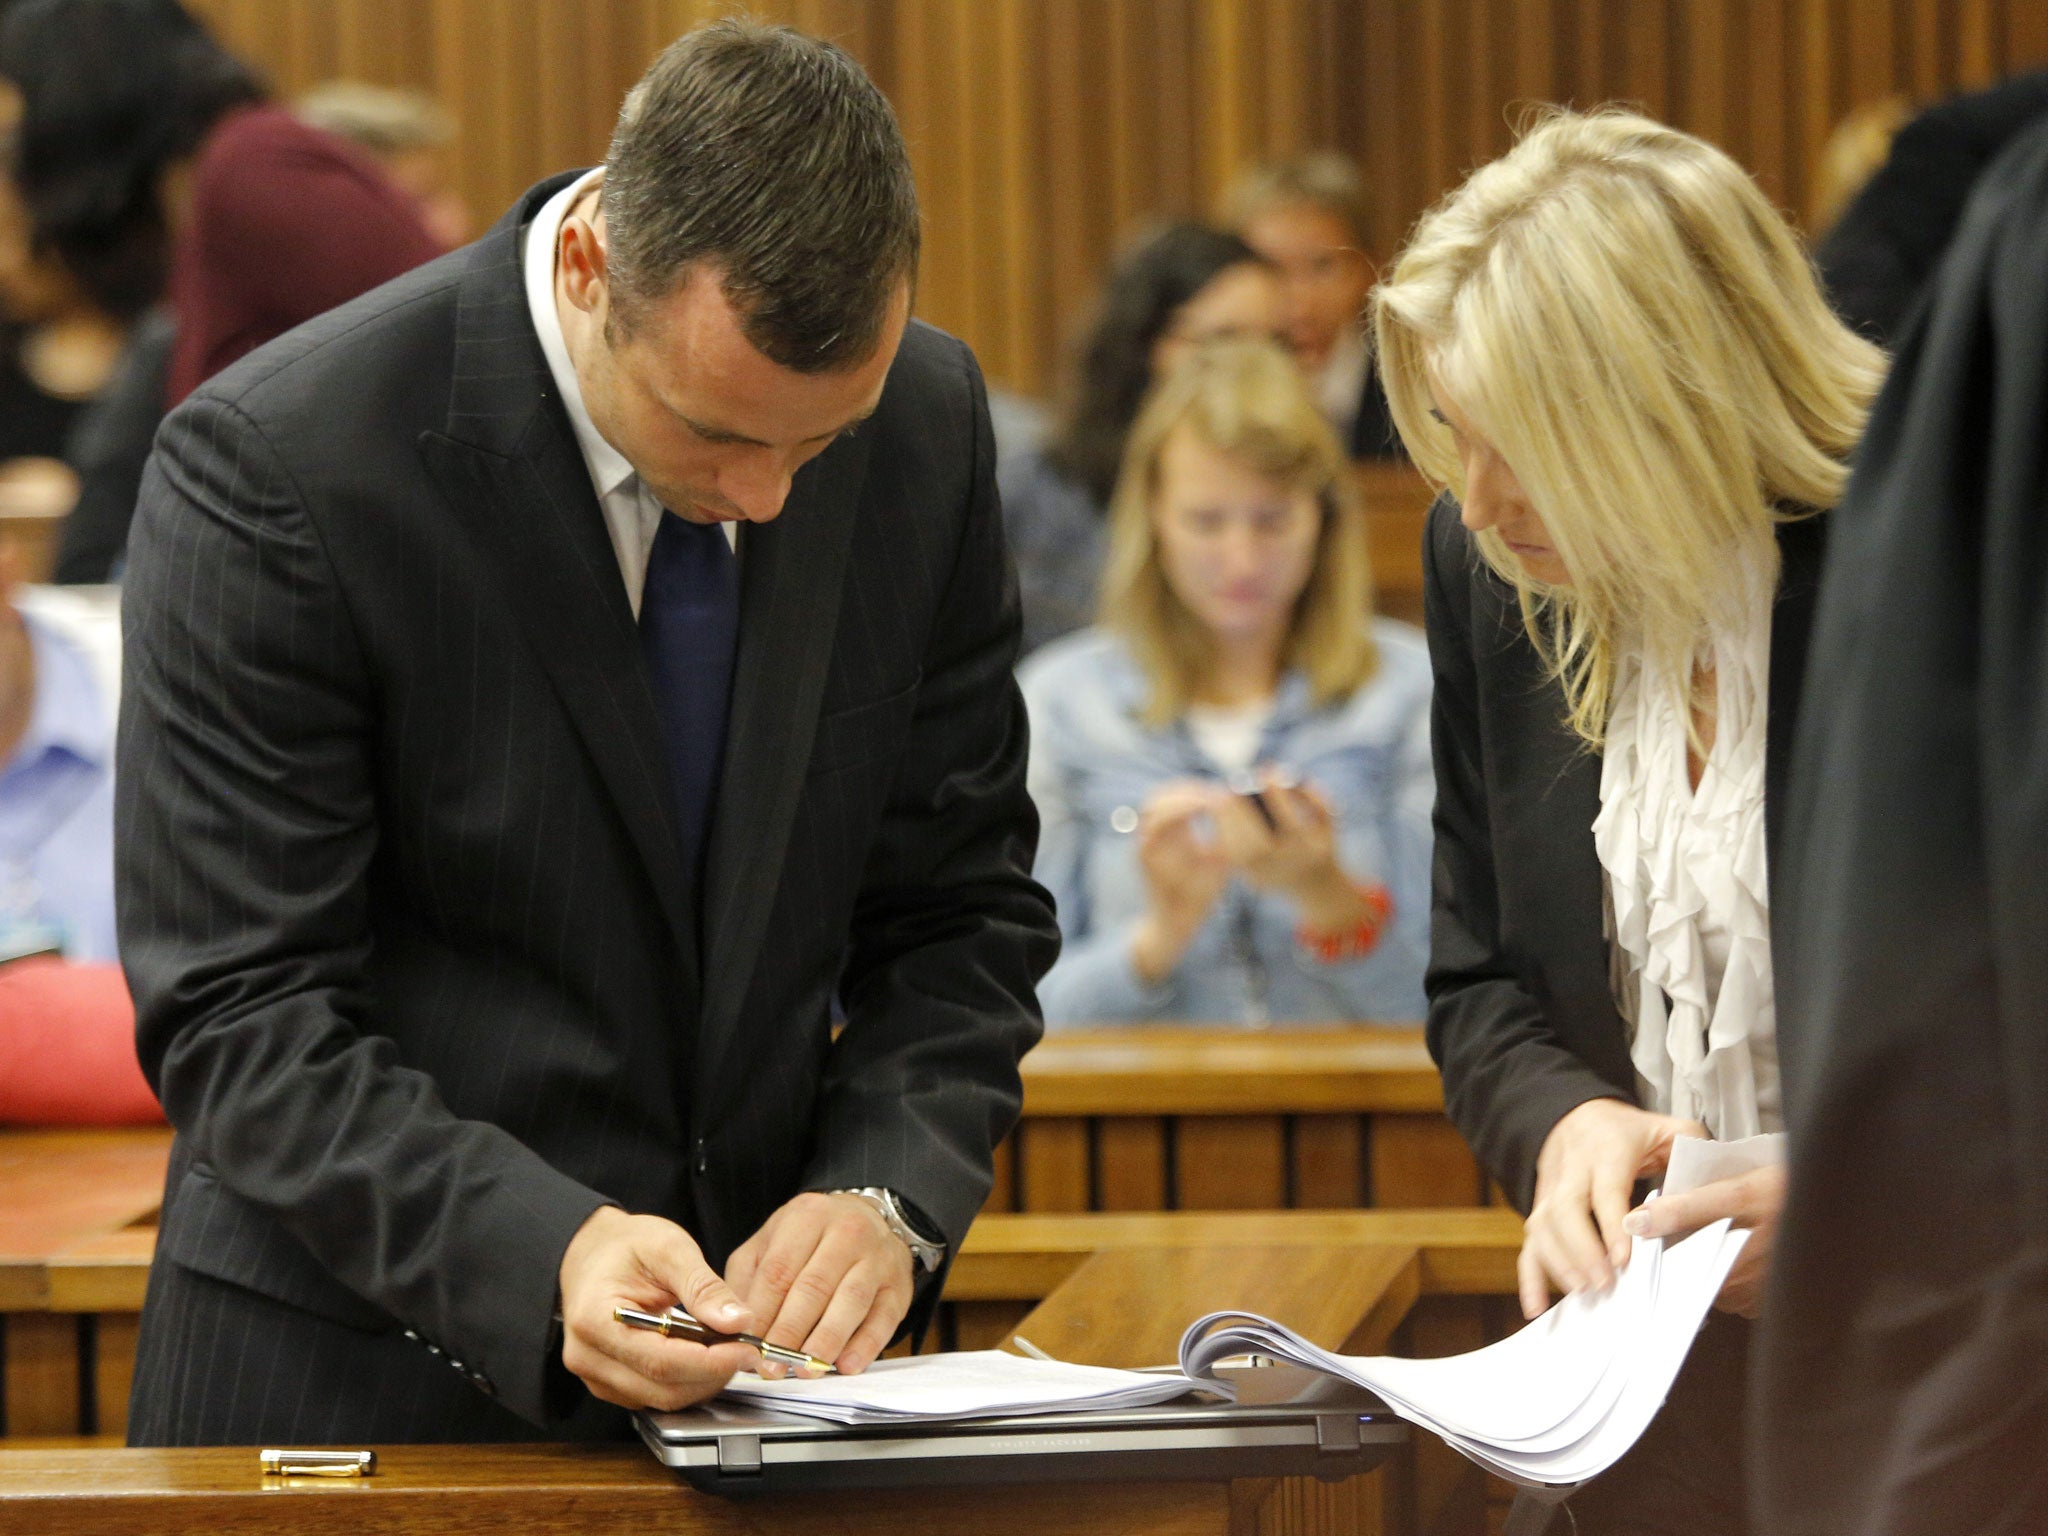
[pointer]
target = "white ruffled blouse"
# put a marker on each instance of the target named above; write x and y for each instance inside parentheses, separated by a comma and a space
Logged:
(1687, 890)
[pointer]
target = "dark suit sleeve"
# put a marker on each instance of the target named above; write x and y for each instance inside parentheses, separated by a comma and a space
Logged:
(950, 933)
(1507, 1080)
(246, 812)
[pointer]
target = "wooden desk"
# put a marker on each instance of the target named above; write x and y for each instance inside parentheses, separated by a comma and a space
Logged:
(536, 1491)
(1110, 1288)
(1184, 1117)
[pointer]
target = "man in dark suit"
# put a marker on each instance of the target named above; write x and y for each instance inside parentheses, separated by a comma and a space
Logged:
(551, 679)
(1902, 1376)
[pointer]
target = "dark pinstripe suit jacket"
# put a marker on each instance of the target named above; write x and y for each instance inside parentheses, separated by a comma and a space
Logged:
(418, 976)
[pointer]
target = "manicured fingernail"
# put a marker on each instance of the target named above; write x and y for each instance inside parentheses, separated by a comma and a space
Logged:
(1637, 1223)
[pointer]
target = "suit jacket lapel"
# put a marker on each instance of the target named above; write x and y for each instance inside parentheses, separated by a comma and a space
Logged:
(509, 466)
(792, 572)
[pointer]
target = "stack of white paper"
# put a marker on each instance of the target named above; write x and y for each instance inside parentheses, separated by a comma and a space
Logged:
(977, 1384)
(1556, 1403)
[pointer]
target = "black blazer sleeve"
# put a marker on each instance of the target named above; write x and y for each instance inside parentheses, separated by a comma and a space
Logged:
(949, 932)
(246, 825)
(1508, 1077)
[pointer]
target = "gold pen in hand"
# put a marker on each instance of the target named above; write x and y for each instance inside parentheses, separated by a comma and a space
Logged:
(678, 1324)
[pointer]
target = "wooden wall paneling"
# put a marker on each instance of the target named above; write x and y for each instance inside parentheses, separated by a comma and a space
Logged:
(1228, 42)
(1002, 1195)
(2026, 35)
(1646, 38)
(1329, 1162)
(1384, 149)
(1703, 79)
(1421, 1160)
(1073, 236)
(1053, 1171)
(42, 1374)
(1770, 104)
(1231, 1163)
(116, 1334)
(1977, 50)
(1025, 352)
(1131, 1164)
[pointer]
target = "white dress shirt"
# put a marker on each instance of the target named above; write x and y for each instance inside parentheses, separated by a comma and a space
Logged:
(1688, 889)
(631, 514)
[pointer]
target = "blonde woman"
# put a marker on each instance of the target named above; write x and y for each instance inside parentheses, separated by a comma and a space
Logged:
(1233, 767)
(1610, 350)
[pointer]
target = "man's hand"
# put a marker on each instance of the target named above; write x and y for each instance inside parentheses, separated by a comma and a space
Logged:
(1585, 1175)
(1752, 1200)
(650, 1264)
(826, 1276)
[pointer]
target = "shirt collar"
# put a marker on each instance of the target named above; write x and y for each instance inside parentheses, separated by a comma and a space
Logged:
(67, 714)
(608, 467)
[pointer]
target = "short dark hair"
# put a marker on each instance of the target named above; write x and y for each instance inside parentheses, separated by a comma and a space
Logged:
(1113, 362)
(112, 93)
(774, 156)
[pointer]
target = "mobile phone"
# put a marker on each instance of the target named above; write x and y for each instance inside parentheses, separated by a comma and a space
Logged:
(1246, 785)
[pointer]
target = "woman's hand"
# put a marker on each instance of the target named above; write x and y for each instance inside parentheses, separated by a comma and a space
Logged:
(1753, 1200)
(1575, 1239)
(1296, 854)
(1184, 874)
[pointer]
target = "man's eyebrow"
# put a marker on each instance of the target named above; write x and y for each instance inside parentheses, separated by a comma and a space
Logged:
(717, 435)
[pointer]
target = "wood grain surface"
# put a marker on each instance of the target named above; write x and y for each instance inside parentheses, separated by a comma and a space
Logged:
(517, 1490)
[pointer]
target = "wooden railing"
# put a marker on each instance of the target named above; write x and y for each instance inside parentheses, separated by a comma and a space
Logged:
(1163, 1118)
(1115, 1121)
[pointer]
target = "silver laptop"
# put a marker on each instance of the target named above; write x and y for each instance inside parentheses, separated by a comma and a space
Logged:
(1287, 1422)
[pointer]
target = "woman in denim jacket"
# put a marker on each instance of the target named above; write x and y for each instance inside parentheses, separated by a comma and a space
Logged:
(1233, 766)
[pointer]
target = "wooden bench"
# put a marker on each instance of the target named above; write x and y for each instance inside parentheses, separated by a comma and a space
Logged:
(1191, 1118)
(1397, 501)
(77, 1227)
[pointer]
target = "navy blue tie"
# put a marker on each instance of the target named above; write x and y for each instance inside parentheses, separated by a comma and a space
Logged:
(690, 628)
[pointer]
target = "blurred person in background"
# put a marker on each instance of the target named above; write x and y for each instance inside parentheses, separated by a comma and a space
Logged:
(1180, 285)
(1878, 256)
(1610, 350)
(1236, 656)
(56, 351)
(1309, 218)
(285, 221)
(67, 1027)
(60, 668)
(409, 132)
(115, 98)
(151, 160)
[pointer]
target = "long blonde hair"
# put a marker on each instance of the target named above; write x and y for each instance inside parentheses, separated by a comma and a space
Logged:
(1622, 314)
(1245, 399)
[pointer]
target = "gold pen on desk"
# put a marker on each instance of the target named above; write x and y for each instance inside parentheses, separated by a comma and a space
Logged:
(318, 1463)
(678, 1324)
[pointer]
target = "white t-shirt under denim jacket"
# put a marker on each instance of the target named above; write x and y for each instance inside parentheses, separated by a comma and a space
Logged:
(1094, 763)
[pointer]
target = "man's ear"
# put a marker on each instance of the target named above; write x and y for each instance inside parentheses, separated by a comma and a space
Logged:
(580, 258)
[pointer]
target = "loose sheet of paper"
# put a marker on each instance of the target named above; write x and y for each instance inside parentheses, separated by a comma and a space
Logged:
(1695, 1162)
(1557, 1402)
(972, 1384)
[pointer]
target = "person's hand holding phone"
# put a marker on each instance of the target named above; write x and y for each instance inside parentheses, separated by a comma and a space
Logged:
(1281, 835)
(1185, 871)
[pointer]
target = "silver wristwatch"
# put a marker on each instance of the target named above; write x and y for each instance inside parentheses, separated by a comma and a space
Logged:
(926, 1254)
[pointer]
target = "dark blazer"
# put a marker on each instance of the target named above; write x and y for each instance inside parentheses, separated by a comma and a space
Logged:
(1902, 1375)
(1887, 243)
(418, 975)
(1522, 1018)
